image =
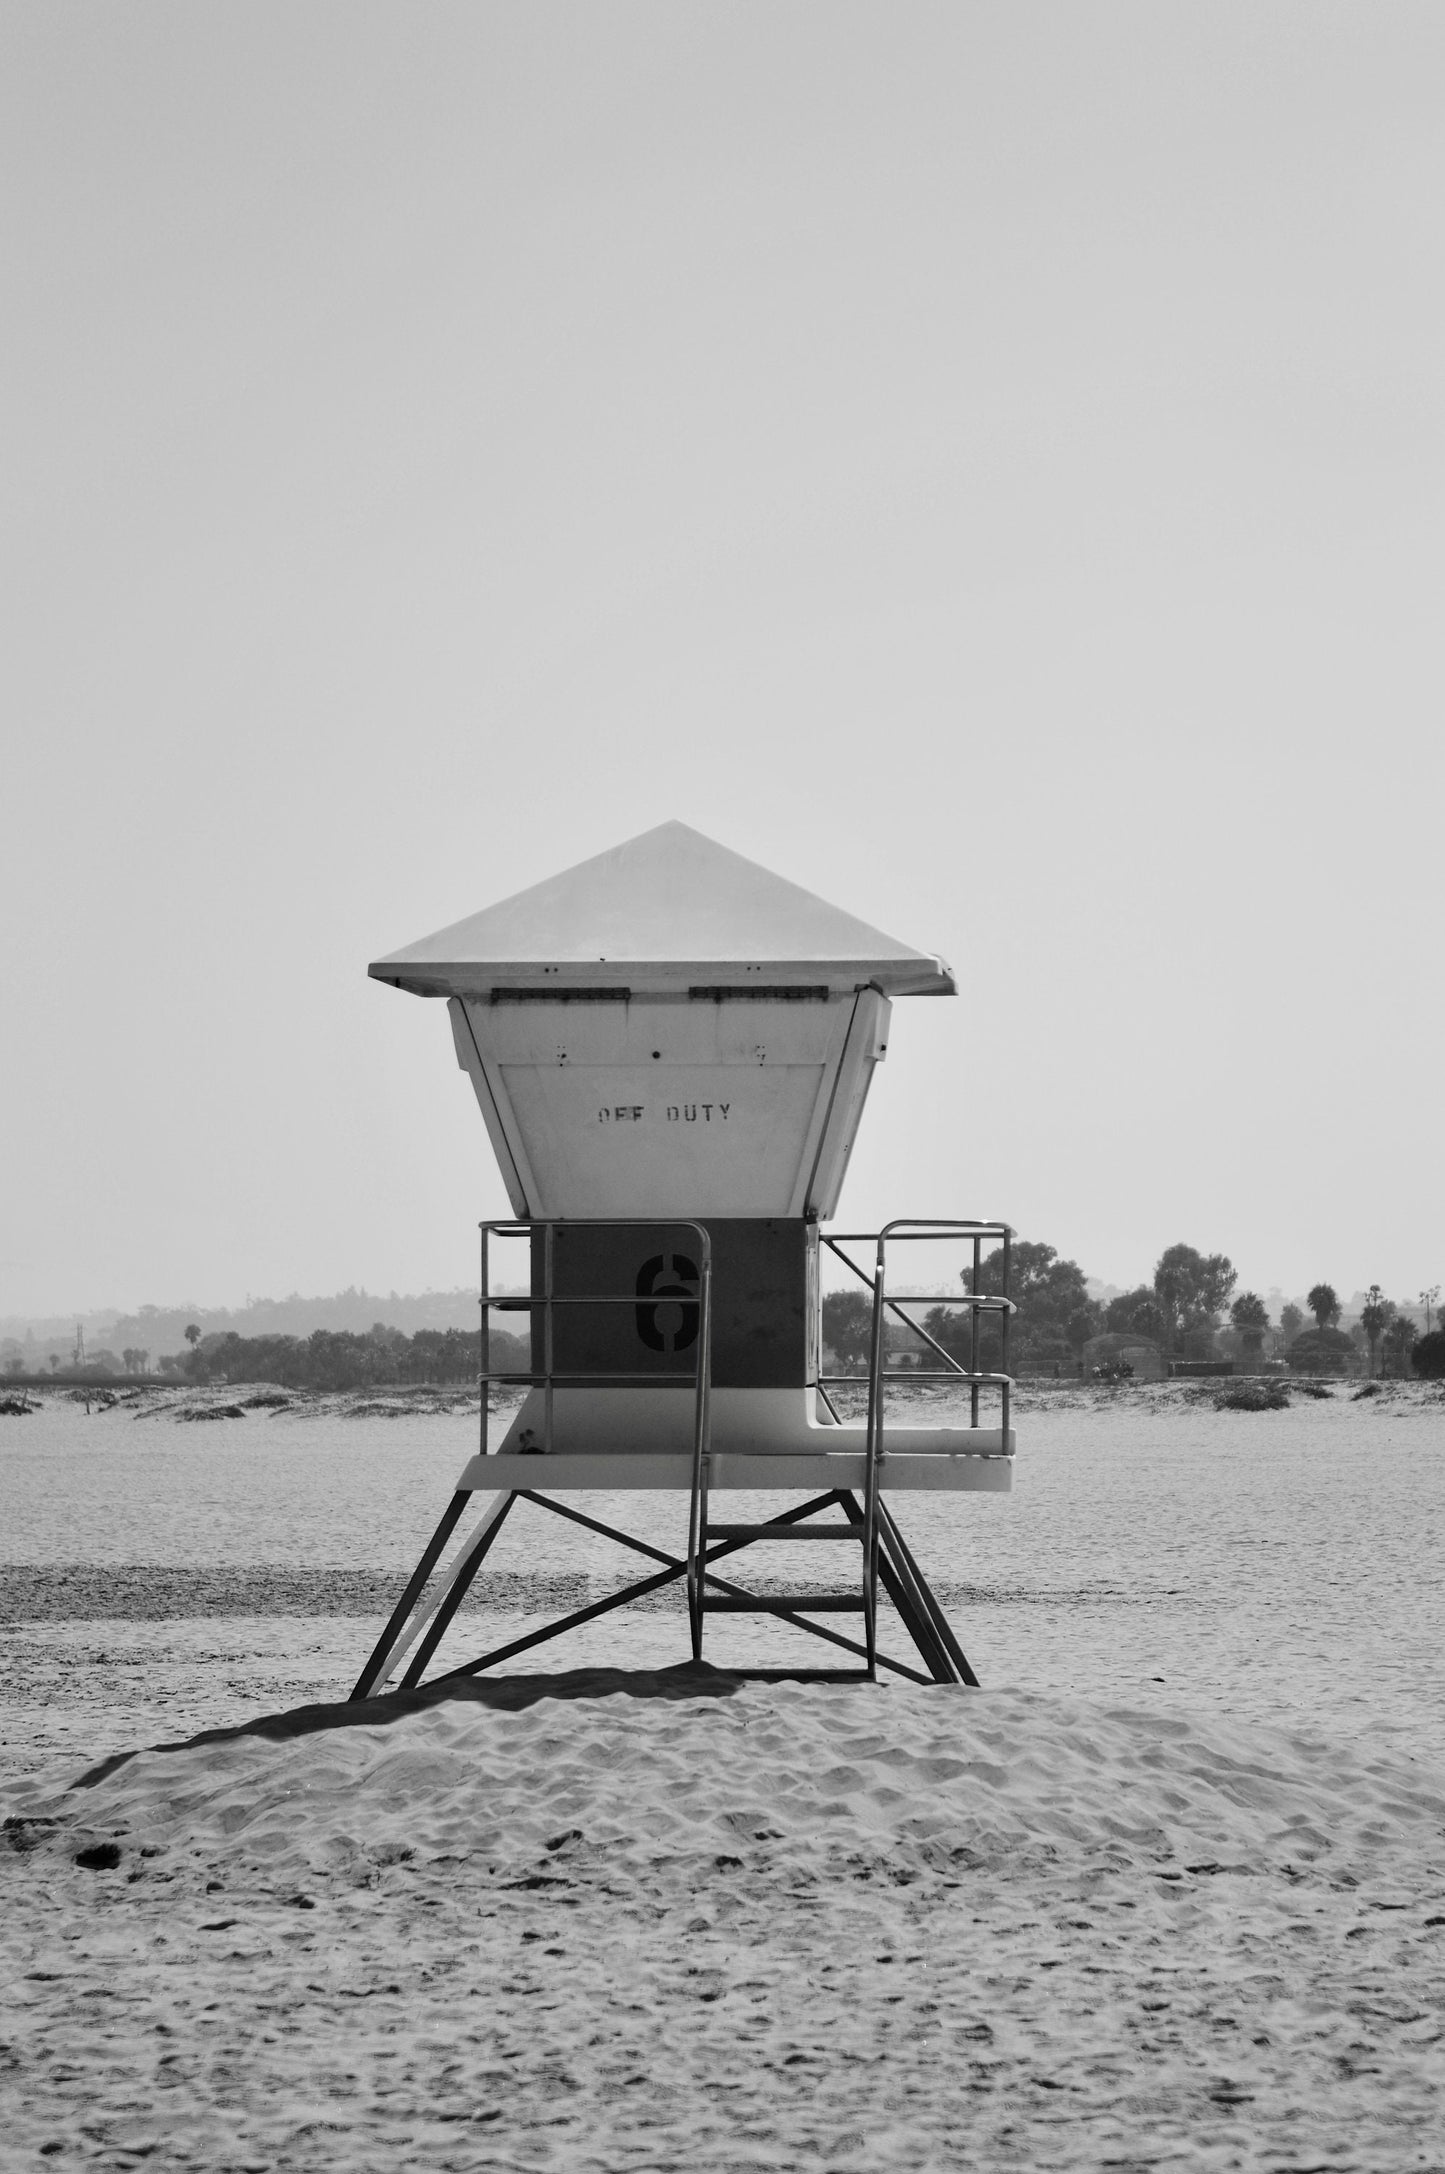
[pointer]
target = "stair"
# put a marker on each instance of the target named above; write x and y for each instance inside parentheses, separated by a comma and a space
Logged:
(782, 1603)
(784, 1532)
(710, 1594)
(869, 1522)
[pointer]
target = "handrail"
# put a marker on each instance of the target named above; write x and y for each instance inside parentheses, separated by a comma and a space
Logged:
(548, 1377)
(929, 1230)
(902, 1230)
(701, 1470)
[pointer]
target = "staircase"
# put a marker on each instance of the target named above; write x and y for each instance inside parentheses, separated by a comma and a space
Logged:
(869, 1525)
(708, 1594)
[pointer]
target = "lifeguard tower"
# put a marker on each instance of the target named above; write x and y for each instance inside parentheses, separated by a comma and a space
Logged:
(671, 1048)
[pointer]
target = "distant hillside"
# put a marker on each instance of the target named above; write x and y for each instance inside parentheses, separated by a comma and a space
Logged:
(162, 1328)
(159, 1329)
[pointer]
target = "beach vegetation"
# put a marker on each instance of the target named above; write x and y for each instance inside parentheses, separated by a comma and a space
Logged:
(1428, 1356)
(1054, 1315)
(1250, 1317)
(333, 1360)
(1322, 1351)
(1400, 1334)
(848, 1327)
(1135, 1313)
(1254, 1396)
(1192, 1290)
(1375, 1317)
(1324, 1305)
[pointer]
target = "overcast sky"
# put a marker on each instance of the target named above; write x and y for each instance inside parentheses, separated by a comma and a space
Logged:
(984, 462)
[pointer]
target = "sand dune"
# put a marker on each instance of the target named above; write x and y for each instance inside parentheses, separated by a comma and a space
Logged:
(674, 1759)
(679, 1920)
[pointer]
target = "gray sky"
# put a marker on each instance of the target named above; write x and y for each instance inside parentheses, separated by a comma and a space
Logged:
(982, 461)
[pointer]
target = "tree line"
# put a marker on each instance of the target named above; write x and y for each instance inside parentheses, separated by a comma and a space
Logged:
(1183, 1310)
(337, 1359)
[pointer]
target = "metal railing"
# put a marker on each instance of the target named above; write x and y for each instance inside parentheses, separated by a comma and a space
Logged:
(918, 1230)
(922, 1230)
(547, 1377)
(903, 1230)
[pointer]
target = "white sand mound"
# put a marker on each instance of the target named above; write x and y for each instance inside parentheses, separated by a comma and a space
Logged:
(683, 1921)
(630, 1771)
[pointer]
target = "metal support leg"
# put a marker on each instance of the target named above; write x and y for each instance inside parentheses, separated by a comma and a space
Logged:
(905, 1586)
(673, 1569)
(367, 1681)
(931, 1602)
(462, 1575)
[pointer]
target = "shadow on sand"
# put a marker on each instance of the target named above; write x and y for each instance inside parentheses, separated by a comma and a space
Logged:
(509, 1694)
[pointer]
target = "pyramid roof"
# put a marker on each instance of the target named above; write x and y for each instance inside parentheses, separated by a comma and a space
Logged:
(666, 911)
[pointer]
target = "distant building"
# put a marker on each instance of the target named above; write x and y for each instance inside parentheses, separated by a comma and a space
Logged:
(1140, 1353)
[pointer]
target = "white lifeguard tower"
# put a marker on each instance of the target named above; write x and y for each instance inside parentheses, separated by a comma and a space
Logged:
(671, 1048)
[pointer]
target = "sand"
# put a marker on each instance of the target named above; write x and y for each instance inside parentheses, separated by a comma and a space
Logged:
(1170, 1891)
(676, 1920)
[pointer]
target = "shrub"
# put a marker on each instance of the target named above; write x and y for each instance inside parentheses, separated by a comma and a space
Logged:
(1321, 1351)
(848, 1327)
(1254, 1396)
(1428, 1356)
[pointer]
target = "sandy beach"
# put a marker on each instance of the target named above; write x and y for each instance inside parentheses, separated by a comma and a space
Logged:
(652, 1917)
(723, 720)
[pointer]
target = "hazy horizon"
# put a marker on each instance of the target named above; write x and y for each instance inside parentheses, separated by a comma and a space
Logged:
(444, 1303)
(984, 464)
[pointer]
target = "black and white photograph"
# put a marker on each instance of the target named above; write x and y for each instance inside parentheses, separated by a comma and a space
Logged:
(622, 1549)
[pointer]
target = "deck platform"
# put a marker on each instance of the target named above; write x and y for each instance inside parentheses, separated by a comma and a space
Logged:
(984, 1469)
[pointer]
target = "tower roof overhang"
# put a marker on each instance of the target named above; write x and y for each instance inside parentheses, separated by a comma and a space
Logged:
(668, 913)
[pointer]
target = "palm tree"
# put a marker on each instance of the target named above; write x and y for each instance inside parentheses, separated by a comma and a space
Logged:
(1375, 1316)
(1250, 1316)
(1324, 1305)
(1398, 1338)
